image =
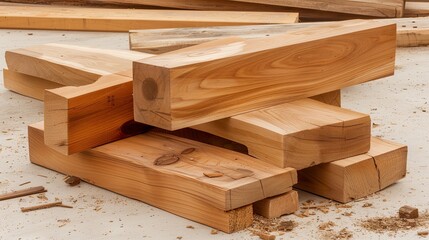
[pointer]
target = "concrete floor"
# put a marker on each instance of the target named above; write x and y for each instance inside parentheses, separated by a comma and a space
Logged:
(398, 105)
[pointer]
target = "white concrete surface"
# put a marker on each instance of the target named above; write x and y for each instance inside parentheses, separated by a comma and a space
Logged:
(398, 104)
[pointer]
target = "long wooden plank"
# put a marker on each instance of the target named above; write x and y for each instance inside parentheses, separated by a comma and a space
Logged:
(70, 65)
(416, 9)
(244, 180)
(27, 85)
(98, 19)
(123, 177)
(356, 177)
(299, 134)
(410, 32)
(231, 76)
(376, 8)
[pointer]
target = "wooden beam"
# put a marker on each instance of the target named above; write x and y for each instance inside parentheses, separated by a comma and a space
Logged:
(356, 177)
(243, 180)
(126, 167)
(416, 9)
(277, 206)
(410, 32)
(299, 134)
(193, 86)
(27, 85)
(99, 19)
(386, 8)
(71, 65)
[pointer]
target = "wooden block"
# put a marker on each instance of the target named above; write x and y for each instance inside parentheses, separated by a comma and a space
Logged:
(416, 9)
(332, 98)
(410, 32)
(356, 177)
(98, 19)
(27, 85)
(408, 212)
(277, 206)
(70, 65)
(193, 86)
(298, 134)
(140, 159)
(386, 8)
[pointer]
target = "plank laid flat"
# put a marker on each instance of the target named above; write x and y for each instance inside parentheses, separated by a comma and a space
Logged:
(124, 178)
(416, 9)
(231, 76)
(27, 85)
(98, 19)
(70, 65)
(376, 8)
(277, 206)
(410, 32)
(298, 134)
(356, 177)
(127, 167)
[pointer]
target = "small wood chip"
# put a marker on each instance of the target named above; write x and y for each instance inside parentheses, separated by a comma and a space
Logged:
(265, 236)
(22, 184)
(42, 206)
(213, 174)
(190, 226)
(408, 212)
(423, 233)
(367, 205)
(166, 159)
(188, 151)
(214, 232)
(240, 173)
(72, 180)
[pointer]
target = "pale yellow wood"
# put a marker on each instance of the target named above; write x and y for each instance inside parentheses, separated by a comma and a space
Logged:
(70, 65)
(99, 19)
(416, 9)
(134, 158)
(297, 134)
(27, 85)
(231, 76)
(129, 178)
(376, 8)
(277, 206)
(356, 177)
(410, 32)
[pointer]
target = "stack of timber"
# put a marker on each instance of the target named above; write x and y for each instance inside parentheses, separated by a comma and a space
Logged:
(411, 32)
(237, 93)
(309, 10)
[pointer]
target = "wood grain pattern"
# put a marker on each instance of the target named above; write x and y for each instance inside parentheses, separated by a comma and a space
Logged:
(168, 186)
(356, 177)
(410, 32)
(376, 8)
(27, 85)
(277, 206)
(193, 85)
(123, 177)
(298, 134)
(70, 65)
(416, 9)
(98, 19)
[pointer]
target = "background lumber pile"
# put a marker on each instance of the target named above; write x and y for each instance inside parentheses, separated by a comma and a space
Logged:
(220, 121)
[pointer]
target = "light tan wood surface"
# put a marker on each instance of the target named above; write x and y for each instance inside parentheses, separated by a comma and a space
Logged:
(410, 32)
(98, 19)
(376, 8)
(356, 177)
(244, 180)
(231, 76)
(298, 134)
(416, 9)
(277, 206)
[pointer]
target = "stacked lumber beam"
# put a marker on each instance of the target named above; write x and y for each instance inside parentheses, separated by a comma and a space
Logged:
(237, 93)
(97, 19)
(411, 32)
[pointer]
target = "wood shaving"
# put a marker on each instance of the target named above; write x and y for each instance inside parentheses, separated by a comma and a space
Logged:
(63, 222)
(268, 227)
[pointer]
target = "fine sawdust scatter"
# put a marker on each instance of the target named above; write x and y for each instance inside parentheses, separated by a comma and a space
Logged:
(63, 222)
(43, 197)
(269, 228)
(394, 224)
(342, 234)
